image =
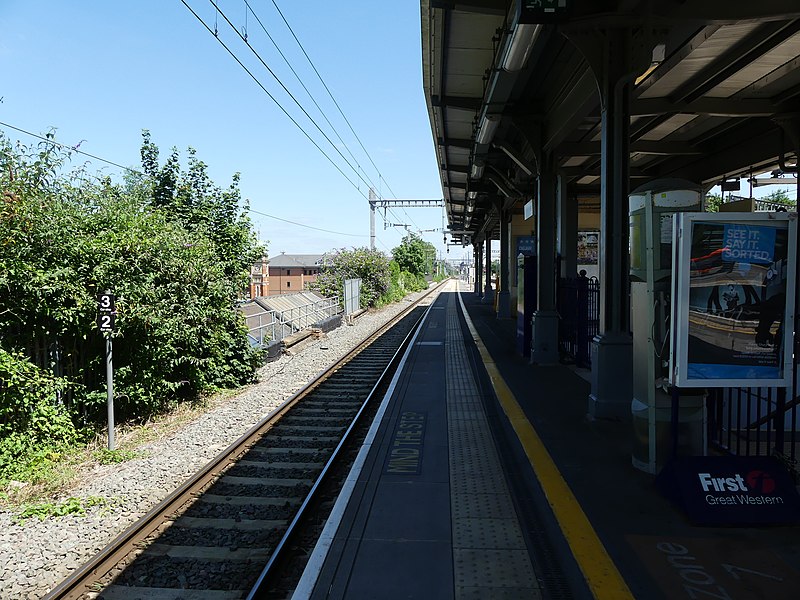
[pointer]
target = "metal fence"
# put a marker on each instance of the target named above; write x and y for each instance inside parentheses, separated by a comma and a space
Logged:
(579, 310)
(274, 325)
(742, 421)
(757, 421)
(753, 422)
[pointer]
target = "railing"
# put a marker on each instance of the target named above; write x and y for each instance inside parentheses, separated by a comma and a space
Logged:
(741, 421)
(579, 311)
(274, 325)
(754, 422)
(757, 421)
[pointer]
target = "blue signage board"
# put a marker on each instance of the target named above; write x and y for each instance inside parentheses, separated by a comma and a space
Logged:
(750, 244)
(526, 245)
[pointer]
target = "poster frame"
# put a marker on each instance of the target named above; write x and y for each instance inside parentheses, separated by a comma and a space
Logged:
(682, 244)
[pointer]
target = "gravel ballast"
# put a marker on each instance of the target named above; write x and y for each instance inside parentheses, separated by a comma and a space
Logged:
(36, 555)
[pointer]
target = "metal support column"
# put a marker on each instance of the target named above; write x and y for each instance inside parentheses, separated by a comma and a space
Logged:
(479, 270)
(567, 229)
(612, 349)
(544, 327)
(790, 123)
(504, 291)
(372, 202)
(488, 292)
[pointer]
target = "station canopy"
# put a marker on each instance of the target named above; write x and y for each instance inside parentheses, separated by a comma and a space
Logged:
(509, 83)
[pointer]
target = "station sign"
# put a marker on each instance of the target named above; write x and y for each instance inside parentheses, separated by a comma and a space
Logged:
(543, 11)
(106, 312)
(526, 245)
(732, 310)
(731, 490)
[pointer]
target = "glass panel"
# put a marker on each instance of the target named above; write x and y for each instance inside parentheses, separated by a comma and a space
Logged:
(737, 299)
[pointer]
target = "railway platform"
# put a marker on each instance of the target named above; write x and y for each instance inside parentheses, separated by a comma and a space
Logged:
(483, 478)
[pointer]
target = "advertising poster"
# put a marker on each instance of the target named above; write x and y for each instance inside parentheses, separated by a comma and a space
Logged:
(588, 246)
(738, 290)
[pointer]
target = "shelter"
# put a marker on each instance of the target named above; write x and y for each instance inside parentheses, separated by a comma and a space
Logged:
(567, 105)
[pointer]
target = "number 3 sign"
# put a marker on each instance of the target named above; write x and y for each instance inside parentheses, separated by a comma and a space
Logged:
(105, 312)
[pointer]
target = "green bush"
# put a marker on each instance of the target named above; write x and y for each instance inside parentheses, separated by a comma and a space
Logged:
(173, 247)
(33, 425)
(371, 266)
(401, 283)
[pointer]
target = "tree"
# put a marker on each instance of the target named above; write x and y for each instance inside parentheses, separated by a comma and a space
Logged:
(780, 196)
(66, 237)
(193, 200)
(371, 266)
(414, 255)
(713, 202)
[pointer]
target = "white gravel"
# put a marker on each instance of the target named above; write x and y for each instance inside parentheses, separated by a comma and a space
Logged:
(37, 555)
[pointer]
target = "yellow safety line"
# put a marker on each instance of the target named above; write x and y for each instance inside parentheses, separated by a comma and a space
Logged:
(602, 576)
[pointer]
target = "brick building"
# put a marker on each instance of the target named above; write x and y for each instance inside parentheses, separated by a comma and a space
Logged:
(259, 278)
(289, 273)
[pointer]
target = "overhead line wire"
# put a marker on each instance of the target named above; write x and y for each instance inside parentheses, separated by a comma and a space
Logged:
(271, 72)
(310, 95)
(274, 76)
(251, 210)
(71, 148)
(292, 119)
(257, 212)
(327, 89)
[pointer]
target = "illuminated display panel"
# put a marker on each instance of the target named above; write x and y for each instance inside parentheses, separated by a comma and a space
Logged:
(733, 286)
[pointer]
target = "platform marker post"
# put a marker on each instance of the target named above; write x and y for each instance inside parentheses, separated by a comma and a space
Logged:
(105, 323)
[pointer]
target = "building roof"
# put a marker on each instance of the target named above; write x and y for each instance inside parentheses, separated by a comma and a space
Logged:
(296, 260)
(718, 80)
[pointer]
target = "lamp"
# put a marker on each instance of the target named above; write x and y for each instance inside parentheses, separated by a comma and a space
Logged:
(486, 129)
(659, 53)
(523, 38)
(477, 170)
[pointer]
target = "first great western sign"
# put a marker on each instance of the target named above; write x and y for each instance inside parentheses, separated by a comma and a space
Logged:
(731, 490)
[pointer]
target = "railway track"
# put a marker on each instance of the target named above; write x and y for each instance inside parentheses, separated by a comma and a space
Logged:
(228, 531)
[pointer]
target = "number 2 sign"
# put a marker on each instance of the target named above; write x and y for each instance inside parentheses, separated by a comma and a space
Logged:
(106, 312)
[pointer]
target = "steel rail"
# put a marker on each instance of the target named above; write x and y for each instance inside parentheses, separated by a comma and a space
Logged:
(82, 580)
(278, 554)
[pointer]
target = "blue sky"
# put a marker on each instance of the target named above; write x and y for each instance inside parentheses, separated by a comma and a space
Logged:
(100, 72)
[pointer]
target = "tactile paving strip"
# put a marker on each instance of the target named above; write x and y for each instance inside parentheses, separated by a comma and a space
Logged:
(491, 568)
(477, 532)
(489, 506)
(490, 559)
